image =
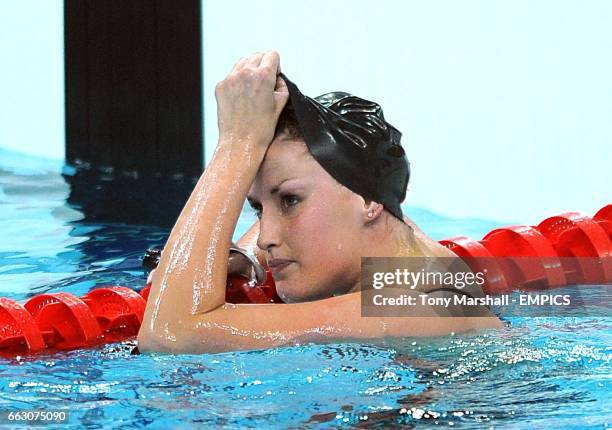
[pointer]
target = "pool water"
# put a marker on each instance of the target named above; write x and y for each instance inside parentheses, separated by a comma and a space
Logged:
(546, 372)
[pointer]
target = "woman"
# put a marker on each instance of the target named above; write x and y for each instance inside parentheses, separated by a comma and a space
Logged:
(312, 231)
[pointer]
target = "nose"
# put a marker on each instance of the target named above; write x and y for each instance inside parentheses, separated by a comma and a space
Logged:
(269, 231)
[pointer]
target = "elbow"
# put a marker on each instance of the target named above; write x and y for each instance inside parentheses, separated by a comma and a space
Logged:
(171, 342)
(151, 341)
(147, 342)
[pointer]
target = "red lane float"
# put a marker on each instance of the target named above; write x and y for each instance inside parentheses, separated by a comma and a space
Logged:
(479, 259)
(529, 259)
(575, 235)
(514, 257)
(64, 320)
(603, 217)
(17, 327)
(145, 292)
(108, 314)
(116, 308)
(566, 249)
(242, 290)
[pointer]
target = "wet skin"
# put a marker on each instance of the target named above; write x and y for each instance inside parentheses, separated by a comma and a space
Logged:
(312, 231)
(310, 227)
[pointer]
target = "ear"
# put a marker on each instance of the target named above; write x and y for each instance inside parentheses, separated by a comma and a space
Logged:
(372, 211)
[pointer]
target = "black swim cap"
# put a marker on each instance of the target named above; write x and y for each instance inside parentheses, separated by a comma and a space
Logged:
(350, 139)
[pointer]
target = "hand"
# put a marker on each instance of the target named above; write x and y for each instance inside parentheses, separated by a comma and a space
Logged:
(150, 277)
(250, 100)
(241, 263)
(237, 265)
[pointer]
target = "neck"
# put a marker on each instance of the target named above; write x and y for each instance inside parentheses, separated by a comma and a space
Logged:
(395, 239)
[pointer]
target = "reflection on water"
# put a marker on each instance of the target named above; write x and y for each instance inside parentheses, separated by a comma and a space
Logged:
(36, 225)
(61, 232)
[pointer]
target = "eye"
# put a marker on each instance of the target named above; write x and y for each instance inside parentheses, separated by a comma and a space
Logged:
(289, 200)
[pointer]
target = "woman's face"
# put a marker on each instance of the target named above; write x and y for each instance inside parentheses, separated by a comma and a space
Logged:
(309, 224)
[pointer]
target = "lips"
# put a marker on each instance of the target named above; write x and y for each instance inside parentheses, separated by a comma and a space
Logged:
(278, 264)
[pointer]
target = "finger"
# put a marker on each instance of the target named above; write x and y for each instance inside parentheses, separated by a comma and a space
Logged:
(281, 101)
(281, 85)
(281, 95)
(271, 59)
(239, 64)
(150, 277)
(255, 60)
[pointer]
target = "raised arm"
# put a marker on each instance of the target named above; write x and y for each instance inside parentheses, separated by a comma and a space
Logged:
(191, 276)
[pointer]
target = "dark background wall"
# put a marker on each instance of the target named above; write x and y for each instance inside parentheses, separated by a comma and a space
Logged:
(133, 105)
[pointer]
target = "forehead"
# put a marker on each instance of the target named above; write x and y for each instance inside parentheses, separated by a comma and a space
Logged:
(289, 160)
(286, 158)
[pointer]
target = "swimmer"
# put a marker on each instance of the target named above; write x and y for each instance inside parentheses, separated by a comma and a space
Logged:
(326, 178)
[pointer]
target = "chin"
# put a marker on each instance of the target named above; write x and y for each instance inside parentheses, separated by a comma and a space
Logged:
(295, 293)
(289, 295)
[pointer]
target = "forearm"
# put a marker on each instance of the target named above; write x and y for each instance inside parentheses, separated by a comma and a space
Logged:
(191, 275)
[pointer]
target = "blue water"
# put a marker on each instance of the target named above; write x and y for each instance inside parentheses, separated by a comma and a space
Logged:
(536, 373)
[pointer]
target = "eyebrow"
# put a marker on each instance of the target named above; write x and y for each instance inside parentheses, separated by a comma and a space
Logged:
(273, 190)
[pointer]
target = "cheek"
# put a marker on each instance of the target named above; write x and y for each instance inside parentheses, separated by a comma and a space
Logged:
(320, 238)
(323, 232)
